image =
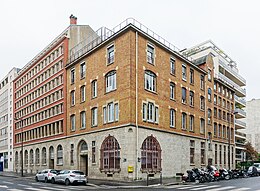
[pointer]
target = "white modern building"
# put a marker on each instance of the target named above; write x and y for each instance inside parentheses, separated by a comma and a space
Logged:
(253, 123)
(6, 121)
(226, 70)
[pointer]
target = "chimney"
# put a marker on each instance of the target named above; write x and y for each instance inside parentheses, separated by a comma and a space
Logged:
(73, 20)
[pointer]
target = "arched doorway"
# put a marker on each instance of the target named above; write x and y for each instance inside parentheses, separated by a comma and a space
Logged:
(83, 157)
(51, 157)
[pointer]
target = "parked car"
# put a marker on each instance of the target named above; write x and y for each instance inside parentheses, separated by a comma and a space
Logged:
(257, 165)
(46, 175)
(252, 171)
(70, 177)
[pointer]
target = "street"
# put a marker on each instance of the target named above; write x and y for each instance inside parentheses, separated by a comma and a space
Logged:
(23, 184)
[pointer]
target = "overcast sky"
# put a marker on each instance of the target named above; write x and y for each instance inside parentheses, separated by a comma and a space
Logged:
(28, 26)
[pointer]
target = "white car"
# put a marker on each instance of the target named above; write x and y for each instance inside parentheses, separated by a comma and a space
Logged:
(257, 165)
(70, 177)
(45, 175)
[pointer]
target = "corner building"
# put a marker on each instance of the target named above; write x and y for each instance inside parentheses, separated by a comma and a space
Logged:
(40, 103)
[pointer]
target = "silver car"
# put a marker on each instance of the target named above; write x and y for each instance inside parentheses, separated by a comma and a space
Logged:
(45, 175)
(70, 177)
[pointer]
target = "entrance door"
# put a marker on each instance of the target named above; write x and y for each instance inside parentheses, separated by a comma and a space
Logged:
(83, 164)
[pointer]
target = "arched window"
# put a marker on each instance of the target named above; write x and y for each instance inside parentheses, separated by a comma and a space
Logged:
(44, 156)
(151, 155)
(37, 156)
(150, 81)
(26, 158)
(59, 155)
(110, 155)
(83, 147)
(111, 81)
(31, 157)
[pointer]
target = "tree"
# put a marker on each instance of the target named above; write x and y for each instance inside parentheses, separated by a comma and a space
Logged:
(251, 153)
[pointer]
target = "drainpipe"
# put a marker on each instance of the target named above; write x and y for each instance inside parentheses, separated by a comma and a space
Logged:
(136, 102)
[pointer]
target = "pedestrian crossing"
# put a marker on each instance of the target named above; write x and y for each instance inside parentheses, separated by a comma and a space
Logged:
(208, 187)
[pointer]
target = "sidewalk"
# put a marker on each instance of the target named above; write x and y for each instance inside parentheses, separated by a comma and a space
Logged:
(108, 183)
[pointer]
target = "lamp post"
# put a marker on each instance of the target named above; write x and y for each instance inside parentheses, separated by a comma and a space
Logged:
(19, 119)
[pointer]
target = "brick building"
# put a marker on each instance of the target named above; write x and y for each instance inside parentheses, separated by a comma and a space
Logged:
(134, 105)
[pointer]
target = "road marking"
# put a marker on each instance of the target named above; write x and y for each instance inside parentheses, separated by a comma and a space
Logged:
(14, 189)
(222, 188)
(36, 189)
(53, 188)
(21, 185)
(3, 186)
(206, 187)
(8, 182)
(191, 186)
(240, 189)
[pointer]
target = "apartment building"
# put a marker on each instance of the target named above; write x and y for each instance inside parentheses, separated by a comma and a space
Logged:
(6, 121)
(226, 70)
(40, 102)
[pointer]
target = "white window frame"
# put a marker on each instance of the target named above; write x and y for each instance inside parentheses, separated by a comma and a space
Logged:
(184, 72)
(94, 88)
(82, 70)
(72, 75)
(150, 54)
(172, 117)
(150, 81)
(83, 119)
(191, 123)
(183, 120)
(94, 112)
(83, 94)
(111, 81)
(110, 54)
(172, 65)
(73, 122)
(172, 91)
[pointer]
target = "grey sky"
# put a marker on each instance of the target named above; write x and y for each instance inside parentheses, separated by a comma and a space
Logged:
(28, 26)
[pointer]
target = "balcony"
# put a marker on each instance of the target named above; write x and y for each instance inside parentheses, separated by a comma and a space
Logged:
(240, 113)
(240, 124)
(240, 136)
(239, 91)
(240, 100)
(231, 73)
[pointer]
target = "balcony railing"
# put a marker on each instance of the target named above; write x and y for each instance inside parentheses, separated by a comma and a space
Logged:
(240, 111)
(240, 100)
(229, 69)
(103, 34)
(241, 123)
(231, 83)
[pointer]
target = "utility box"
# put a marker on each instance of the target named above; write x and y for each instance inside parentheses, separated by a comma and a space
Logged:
(130, 169)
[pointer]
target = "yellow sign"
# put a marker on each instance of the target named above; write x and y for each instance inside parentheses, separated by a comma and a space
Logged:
(130, 169)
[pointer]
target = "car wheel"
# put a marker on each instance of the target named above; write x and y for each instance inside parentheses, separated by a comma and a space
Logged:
(227, 177)
(36, 178)
(46, 180)
(52, 180)
(67, 182)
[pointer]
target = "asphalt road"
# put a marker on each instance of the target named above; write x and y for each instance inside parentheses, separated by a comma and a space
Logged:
(23, 184)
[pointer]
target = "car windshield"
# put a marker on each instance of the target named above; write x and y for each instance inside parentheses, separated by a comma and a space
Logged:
(78, 172)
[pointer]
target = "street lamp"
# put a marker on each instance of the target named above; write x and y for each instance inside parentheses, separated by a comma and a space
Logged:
(19, 119)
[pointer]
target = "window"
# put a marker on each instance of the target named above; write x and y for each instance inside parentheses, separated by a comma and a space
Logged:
(150, 81)
(202, 103)
(72, 76)
(172, 91)
(191, 98)
(209, 94)
(31, 157)
(72, 123)
(202, 83)
(216, 154)
(215, 129)
(111, 81)
(94, 116)
(184, 72)
(183, 97)
(152, 112)
(44, 156)
(172, 118)
(209, 74)
(215, 86)
(172, 65)
(209, 116)
(59, 155)
(191, 123)
(224, 132)
(191, 76)
(110, 112)
(82, 93)
(224, 152)
(202, 126)
(202, 152)
(94, 88)
(110, 155)
(37, 156)
(192, 151)
(82, 70)
(215, 99)
(83, 120)
(72, 98)
(220, 154)
(110, 54)
(71, 154)
(184, 121)
(26, 157)
(150, 54)
(215, 112)
(93, 151)
(151, 155)
(219, 114)
(219, 130)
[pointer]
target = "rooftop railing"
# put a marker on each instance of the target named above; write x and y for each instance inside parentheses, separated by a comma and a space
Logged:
(103, 34)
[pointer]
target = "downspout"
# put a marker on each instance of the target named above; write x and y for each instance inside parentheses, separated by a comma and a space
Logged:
(136, 103)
